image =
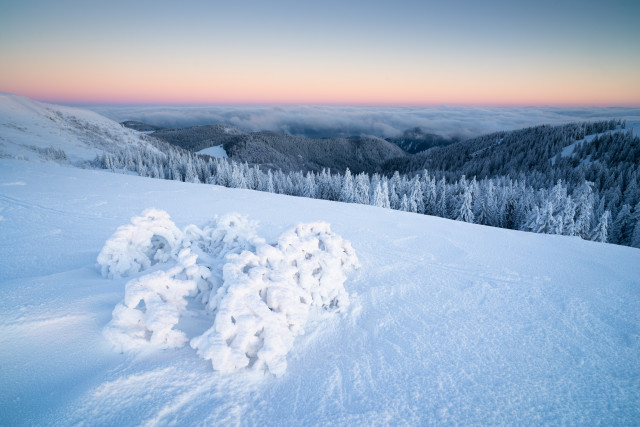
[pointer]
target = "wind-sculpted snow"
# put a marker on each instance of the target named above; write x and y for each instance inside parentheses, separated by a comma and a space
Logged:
(260, 294)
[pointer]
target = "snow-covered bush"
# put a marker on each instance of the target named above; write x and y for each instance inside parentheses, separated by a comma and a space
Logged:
(322, 258)
(150, 238)
(229, 234)
(268, 295)
(260, 294)
(152, 306)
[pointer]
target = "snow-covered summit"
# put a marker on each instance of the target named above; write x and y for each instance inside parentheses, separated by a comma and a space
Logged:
(34, 130)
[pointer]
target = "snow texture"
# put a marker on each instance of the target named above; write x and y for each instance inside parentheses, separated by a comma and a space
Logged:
(260, 305)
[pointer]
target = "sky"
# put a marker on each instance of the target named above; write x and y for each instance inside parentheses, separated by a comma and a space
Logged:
(401, 53)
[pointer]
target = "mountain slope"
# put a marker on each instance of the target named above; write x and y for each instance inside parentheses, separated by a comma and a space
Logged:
(416, 140)
(292, 153)
(197, 138)
(289, 153)
(449, 323)
(31, 129)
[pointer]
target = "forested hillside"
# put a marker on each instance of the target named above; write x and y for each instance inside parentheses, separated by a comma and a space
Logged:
(596, 197)
(196, 138)
(290, 153)
(416, 140)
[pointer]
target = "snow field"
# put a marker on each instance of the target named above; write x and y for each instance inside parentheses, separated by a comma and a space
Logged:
(260, 305)
(448, 322)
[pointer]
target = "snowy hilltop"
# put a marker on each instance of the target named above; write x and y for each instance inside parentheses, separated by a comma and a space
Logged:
(37, 131)
(129, 300)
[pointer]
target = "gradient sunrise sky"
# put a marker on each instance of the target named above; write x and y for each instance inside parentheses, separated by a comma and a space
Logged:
(564, 53)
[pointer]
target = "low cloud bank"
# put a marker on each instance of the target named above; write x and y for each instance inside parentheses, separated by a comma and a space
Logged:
(327, 121)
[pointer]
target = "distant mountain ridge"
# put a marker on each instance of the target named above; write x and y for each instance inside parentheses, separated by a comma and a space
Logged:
(140, 126)
(416, 140)
(289, 153)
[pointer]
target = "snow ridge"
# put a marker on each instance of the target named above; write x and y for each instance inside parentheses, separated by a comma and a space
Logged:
(260, 294)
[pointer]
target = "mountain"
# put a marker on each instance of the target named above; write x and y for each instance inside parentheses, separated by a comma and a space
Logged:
(289, 153)
(443, 322)
(140, 126)
(34, 130)
(542, 179)
(292, 153)
(416, 140)
(196, 138)
(448, 322)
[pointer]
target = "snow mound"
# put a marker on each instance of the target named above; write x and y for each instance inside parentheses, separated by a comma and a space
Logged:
(149, 239)
(268, 295)
(260, 294)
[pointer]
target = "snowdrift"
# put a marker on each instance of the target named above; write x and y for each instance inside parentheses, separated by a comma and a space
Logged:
(260, 303)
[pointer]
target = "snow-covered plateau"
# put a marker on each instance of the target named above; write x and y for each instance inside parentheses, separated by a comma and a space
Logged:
(435, 322)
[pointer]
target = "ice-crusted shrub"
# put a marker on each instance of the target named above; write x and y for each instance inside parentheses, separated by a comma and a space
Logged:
(150, 238)
(268, 295)
(260, 294)
(229, 234)
(322, 258)
(152, 306)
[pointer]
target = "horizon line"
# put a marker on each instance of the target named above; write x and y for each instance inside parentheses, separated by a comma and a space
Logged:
(203, 104)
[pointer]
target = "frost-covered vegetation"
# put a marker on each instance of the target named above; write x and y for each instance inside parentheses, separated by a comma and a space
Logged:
(596, 199)
(260, 294)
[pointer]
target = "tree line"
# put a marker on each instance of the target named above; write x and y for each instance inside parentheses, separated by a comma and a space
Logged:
(599, 201)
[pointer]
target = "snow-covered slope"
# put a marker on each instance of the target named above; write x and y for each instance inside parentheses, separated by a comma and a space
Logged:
(28, 128)
(449, 322)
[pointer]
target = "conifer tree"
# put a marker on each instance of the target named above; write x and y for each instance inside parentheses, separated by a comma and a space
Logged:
(347, 191)
(600, 233)
(465, 212)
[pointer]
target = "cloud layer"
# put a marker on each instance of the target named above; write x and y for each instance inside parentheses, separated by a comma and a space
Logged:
(327, 121)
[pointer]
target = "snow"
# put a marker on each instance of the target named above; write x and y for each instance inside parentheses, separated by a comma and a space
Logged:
(261, 304)
(634, 125)
(28, 128)
(217, 151)
(569, 149)
(447, 322)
